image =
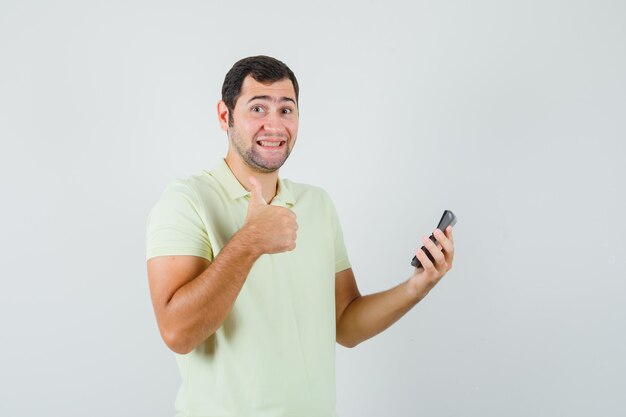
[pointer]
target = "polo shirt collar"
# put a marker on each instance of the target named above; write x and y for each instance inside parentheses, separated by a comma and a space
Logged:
(235, 190)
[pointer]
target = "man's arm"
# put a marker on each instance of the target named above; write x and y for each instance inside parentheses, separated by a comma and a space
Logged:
(192, 296)
(361, 317)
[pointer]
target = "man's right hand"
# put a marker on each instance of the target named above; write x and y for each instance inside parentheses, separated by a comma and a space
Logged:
(272, 229)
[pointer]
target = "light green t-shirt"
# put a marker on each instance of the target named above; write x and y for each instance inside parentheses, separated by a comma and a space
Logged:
(275, 353)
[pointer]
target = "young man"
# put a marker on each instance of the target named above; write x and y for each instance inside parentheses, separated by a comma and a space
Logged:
(249, 276)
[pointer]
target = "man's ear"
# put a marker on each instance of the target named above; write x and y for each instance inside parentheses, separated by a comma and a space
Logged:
(222, 115)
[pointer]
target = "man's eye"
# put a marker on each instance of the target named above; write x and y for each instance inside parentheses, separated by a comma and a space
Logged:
(257, 109)
(287, 111)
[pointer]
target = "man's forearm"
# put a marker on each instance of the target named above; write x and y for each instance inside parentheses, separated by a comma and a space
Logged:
(199, 308)
(368, 315)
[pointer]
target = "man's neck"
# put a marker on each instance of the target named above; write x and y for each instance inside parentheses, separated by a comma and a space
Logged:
(269, 181)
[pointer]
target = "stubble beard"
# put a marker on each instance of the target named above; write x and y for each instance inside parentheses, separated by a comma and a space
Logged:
(251, 157)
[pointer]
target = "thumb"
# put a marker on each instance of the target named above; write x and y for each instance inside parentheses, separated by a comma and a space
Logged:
(257, 192)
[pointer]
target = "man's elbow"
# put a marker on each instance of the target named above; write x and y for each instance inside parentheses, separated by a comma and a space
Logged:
(348, 345)
(346, 341)
(177, 341)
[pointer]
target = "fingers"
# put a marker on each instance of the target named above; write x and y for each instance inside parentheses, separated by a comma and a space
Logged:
(440, 260)
(441, 254)
(427, 265)
(257, 191)
(446, 242)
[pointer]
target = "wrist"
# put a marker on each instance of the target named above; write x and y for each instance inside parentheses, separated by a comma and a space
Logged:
(417, 289)
(248, 240)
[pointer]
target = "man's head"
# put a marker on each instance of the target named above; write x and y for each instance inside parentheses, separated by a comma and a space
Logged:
(263, 69)
(259, 111)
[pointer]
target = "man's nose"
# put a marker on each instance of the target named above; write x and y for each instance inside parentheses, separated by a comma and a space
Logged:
(274, 122)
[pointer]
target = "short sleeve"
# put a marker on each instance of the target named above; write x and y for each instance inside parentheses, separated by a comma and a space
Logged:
(341, 254)
(175, 225)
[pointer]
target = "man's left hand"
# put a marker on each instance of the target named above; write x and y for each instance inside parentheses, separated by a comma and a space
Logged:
(428, 275)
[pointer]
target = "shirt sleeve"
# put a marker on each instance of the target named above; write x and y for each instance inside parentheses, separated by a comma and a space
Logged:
(175, 225)
(341, 254)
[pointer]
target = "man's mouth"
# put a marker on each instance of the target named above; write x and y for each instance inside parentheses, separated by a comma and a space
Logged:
(271, 143)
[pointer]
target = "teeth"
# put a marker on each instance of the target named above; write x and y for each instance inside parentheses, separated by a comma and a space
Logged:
(266, 143)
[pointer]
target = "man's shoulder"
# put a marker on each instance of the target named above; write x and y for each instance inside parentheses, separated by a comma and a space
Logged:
(197, 181)
(195, 187)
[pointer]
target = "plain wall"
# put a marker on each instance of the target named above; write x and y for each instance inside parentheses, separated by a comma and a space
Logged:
(511, 114)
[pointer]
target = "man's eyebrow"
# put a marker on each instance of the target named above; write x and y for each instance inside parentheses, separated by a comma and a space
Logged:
(268, 98)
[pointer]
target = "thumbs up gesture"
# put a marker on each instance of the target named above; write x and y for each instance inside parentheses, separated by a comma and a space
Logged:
(271, 228)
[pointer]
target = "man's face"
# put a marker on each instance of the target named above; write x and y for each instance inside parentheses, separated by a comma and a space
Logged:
(265, 124)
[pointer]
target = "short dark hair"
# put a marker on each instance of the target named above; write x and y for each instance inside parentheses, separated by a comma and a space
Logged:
(263, 69)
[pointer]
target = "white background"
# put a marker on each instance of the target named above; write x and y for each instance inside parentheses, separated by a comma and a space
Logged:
(511, 114)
